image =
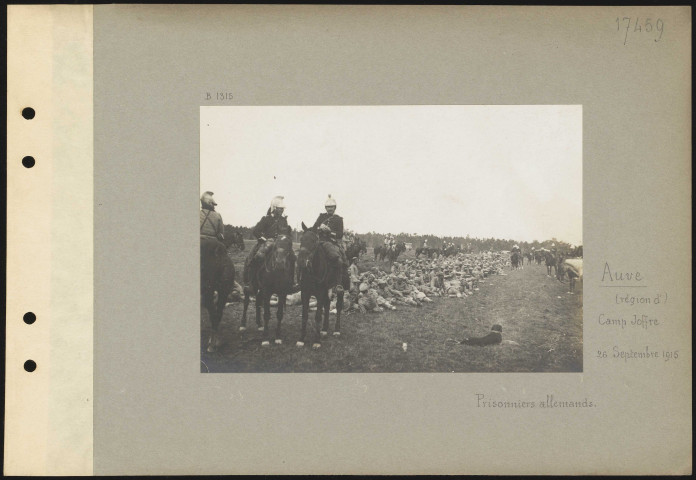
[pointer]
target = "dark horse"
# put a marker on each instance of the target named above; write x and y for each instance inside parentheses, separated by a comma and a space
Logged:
(274, 276)
(392, 255)
(356, 248)
(427, 251)
(234, 237)
(217, 281)
(529, 258)
(517, 259)
(238, 240)
(316, 277)
(381, 252)
(550, 258)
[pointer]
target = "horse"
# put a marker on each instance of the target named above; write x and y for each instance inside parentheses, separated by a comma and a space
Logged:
(316, 277)
(234, 239)
(560, 271)
(217, 281)
(539, 256)
(380, 251)
(516, 260)
(239, 241)
(356, 248)
(550, 262)
(529, 258)
(275, 275)
(573, 268)
(394, 253)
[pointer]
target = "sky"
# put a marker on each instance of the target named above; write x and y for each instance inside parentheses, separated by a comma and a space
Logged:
(503, 171)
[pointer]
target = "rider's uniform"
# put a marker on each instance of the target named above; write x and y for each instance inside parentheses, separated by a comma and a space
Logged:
(332, 239)
(212, 228)
(271, 226)
(211, 224)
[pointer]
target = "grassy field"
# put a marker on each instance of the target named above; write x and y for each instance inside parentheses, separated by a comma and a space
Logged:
(536, 312)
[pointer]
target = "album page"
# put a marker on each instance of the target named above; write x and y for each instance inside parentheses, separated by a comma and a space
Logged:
(431, 240)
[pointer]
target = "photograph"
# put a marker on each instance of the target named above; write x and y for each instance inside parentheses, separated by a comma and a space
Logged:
(391, 238)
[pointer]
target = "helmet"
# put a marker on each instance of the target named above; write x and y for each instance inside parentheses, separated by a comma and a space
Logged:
(207, 198)
(330, 202)
(277, 202)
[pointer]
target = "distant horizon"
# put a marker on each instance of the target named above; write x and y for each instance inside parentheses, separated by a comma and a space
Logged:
(463, 237)
(487, 171)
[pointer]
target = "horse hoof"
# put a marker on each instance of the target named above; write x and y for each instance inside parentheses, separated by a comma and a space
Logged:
(299, 344)
(242, 329)
(323, 333)
(265, 343)
(337, 334)
(278, 341)
(316, 346)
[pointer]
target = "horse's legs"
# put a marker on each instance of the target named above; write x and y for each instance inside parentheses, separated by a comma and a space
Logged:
(264, 299)
(279, 317)
(209, 304)
(216, 317)
(244, 313)
(339, 307)
(317, 320)
(326, 305)
(304, 295)
(258, 304)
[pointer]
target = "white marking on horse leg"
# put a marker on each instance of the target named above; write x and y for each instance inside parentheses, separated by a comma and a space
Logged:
(336, 334)
(265, 343)
(278, 341)
(260, 329)
(323, 333)
(316, 345)
(242, 329)
(299, 344)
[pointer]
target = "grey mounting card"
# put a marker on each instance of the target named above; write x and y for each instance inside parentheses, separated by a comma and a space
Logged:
(565, 126)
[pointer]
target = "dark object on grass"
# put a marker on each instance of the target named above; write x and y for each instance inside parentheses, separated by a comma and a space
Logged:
(495, 336)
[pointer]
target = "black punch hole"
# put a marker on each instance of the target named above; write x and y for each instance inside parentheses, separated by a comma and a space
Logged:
(28, 113)
(28, 162)
(29, 318)
(30, 365)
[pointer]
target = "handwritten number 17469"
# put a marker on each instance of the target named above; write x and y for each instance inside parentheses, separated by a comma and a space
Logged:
(645, 26)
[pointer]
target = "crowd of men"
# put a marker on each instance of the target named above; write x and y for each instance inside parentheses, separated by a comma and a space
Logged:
(411, 282)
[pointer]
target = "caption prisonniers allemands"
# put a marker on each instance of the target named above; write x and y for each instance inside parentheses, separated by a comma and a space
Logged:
(483, 401)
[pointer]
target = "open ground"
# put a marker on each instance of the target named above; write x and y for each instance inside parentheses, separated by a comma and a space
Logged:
(538, 315)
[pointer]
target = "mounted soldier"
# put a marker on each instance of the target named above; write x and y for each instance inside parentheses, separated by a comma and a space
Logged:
(391, 242)
(212, 228)
(329, 226)
(217, 269)
(271, 226)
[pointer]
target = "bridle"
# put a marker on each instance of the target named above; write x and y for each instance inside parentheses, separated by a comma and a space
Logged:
(270, 263)
(309, 265)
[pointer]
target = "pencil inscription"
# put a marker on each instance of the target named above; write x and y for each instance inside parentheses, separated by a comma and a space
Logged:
(640, 26)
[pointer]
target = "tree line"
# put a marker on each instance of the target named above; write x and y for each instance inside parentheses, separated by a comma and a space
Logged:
(466, 243)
